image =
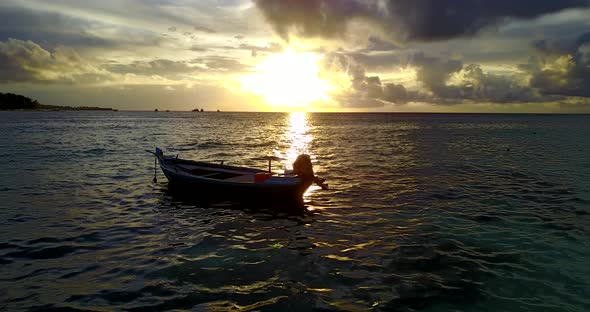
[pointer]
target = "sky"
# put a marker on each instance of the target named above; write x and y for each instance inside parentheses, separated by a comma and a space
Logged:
(504, 56)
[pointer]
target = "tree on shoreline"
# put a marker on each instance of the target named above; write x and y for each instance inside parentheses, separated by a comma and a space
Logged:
(16, 101)
(11, 101)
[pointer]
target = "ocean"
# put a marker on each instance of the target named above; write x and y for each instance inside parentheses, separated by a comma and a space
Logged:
(425, 212)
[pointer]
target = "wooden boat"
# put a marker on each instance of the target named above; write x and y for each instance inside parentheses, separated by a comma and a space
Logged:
(239, 183)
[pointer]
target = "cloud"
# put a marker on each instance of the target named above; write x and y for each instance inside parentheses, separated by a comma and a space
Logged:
(271, 47)
(379, 60)
(451, 82)
(311, 17)
(179, 69)
(576, 105)
(204, 29)
(26, 61)
(197, 48)
(561, 45)
(561, 68)
(221, 64)
(52, 29)
(478, 86)
(434, 74)
(376, 44)
(360, 90)
(440, 82)
(20, 60)
(418, 20)
(254, 49)
(174, 70)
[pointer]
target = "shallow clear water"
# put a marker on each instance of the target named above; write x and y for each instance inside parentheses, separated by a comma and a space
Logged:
(425, 212)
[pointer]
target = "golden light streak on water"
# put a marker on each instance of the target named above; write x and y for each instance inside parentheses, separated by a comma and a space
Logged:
(298, 136)
(298, 139)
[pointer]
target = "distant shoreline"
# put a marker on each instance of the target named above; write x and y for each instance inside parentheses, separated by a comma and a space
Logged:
(16, 102)
(60, 109)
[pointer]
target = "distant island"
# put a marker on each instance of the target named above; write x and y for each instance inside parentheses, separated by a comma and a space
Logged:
(10, 101)
(200, 110)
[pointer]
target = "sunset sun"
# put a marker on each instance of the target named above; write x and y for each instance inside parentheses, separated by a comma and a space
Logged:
(289, 79)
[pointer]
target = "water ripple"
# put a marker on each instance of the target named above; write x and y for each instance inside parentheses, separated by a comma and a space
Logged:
(425, 212)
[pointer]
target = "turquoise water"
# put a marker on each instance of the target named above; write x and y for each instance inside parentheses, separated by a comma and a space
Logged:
(426, 212)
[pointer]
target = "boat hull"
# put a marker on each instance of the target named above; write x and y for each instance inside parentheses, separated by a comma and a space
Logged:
(284, 193)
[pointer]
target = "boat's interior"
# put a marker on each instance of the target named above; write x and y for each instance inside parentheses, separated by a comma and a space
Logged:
(218, 173)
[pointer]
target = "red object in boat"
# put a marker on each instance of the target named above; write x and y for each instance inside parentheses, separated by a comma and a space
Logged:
(260, 177)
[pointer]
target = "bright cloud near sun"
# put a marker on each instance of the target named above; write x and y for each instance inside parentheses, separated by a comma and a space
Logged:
(288, 79)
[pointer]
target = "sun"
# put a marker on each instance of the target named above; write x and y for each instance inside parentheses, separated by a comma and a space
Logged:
(289, 79)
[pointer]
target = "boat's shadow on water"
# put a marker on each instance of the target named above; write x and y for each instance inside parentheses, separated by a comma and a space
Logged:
(174, 196)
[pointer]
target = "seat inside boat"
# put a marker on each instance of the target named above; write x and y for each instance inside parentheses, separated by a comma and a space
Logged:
(217, 174)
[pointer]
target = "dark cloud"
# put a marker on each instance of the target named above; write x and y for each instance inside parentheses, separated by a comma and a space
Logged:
(311, 17)
(470, 83)
(197, 48)
(583, 39)
(434, 73)
(26, 61)
(368, 91)
(564, 27)
(361, 85)
(417, 20)
(177, 70)
(396, 93)
(50, 29)
(376, 44)
(476, 85)
(204, 29)
(222, 64)
(443, 82)
(55, 29)
(174, 70)
(562, 45)
(21, 60)
(435, 19)
(378, 61)
(562, 68)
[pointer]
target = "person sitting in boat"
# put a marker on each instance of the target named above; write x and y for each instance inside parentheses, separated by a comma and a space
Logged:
(303, 168)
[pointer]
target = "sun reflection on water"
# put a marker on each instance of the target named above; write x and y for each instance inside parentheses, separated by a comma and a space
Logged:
(297, 139)
(297, 136)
